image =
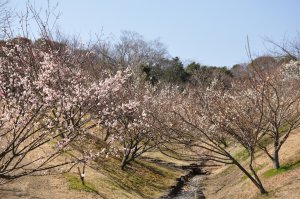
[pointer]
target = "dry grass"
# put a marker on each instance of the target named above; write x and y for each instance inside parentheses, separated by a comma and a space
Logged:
(148, 180)
(229, 182)
(104, 179)
(159, 156)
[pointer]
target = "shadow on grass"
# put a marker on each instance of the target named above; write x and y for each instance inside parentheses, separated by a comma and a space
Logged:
(151, 168)
(143, 178)
(241, 155)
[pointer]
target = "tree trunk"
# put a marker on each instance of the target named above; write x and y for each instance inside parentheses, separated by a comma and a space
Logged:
(82, 174)
(260, 186)
(254, 181)
(275, 159)
(107, 135)
(262, 190)
(124, 162)
(276, 164)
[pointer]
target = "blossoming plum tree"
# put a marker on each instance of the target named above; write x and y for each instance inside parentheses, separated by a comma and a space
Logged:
(46, 98)
(129, 115)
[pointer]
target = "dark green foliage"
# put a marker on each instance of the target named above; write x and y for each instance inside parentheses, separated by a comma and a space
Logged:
(205, 75)
(151, 73)
(193, 68)
(174, 72)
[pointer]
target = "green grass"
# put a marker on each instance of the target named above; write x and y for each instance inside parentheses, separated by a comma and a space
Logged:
(146, 179)
(282, 169)
(241, 155)
(140, 179)
(284, 128)
(75, 183)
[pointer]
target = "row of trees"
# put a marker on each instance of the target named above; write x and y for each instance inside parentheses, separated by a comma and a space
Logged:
(46, 97)
(258, 111)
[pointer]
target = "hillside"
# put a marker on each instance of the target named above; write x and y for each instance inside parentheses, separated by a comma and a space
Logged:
(103, 180)
(144, 179)
(229, 182)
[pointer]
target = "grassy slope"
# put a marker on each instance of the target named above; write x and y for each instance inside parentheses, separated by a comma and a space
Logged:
(143, 179)
(229, 182)
(104, 179)
(139, 180)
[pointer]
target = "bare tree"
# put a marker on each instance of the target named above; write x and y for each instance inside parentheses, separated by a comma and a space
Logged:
(5, 16)
(130, 50)
(279, 89)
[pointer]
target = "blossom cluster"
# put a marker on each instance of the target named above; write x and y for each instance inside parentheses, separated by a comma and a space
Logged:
(46, 95)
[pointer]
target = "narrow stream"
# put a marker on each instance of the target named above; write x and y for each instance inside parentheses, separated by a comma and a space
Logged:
(189, 185)
(191, 190)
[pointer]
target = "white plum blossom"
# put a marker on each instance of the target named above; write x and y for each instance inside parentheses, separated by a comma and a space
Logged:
(46, 96)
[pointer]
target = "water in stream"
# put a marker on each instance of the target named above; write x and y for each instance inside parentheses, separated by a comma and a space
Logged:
(192, 189)
(188, 186)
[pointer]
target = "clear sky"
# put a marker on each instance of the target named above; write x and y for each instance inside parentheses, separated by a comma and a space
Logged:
(212, 32)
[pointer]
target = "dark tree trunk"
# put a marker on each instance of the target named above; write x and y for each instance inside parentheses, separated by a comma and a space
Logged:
(262, 190)
(107, 135)
(258, 184)
(276, 164)
(124, 162)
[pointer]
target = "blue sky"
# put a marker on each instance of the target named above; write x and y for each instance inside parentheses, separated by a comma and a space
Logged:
(212, 32)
